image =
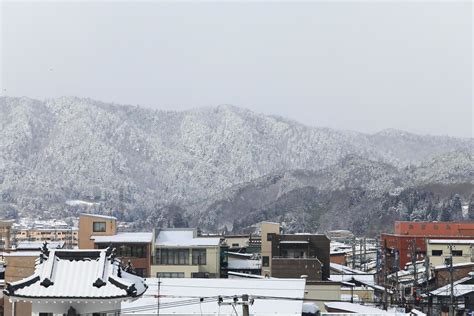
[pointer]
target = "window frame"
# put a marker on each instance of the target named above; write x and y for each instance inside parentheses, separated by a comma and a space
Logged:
(99, 231)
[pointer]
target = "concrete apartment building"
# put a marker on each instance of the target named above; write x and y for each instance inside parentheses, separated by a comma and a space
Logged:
(134, 247)
(50, 231)
(100, 232)
(95, 225)
(294, 256)
(438, 250)
(180, 253)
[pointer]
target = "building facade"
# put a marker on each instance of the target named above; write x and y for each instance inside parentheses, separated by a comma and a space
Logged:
(180, 253)
(136, 248)
(440, 250)
(95, 225)
(410, 240)
(294, 256)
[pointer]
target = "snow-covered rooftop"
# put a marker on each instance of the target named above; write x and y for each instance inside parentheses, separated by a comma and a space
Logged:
(355, 308)
(272, 296)
(36, 245)
(451, 241)
(99, 216)
(125, 237)
(183, 238)
(78, 274)
(460, 289)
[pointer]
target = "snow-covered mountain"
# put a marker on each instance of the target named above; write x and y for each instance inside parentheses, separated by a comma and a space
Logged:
(136, 161)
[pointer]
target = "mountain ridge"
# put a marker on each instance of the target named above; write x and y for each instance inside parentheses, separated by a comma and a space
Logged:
(133, 159)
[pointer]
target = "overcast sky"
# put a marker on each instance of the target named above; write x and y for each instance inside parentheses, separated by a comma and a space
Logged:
(363, 66)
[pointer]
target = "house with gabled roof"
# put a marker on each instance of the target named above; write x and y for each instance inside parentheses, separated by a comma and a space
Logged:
(76, 282)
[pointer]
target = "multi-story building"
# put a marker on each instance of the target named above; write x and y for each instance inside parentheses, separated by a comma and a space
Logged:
(95, 225)
(100, 232)
(408, 243)
(440, 250)
(132, 247)
(50, 231)
(180, 253)
(294, 256)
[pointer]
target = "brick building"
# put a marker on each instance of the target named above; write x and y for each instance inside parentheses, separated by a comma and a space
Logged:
(410, 238)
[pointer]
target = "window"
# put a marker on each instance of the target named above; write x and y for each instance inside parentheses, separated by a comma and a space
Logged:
(436, 253)
(199, 256)
(235, 245)
(173, 275)
(270, 237)
(200, 275)
(98, 227)
(172, 256)
(457, 253)
(265, 261)
(138, 251)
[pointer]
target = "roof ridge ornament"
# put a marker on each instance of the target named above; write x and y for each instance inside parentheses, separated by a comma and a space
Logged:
(44, 255)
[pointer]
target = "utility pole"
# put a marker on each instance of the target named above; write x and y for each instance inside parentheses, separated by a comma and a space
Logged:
(427, 278)
(245, 305)
(360, 254)
(451, 281)
(413, 261)
(158, 297)
(385, 298)
(365, 254)
(353, 251)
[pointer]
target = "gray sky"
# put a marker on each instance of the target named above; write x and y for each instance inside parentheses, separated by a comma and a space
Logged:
(363, 66)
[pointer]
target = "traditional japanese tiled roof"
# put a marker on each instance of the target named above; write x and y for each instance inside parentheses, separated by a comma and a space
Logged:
(77, 274)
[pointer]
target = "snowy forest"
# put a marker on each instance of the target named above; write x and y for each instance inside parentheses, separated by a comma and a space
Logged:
(222, 168)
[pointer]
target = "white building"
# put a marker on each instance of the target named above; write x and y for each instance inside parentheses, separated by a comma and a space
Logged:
(76, 282)
(187, 296)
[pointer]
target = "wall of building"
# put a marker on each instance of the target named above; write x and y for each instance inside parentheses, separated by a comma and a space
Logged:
(403, 244)
(322, 292)
(17, 268)
(339, 258)
(362, 293)
(86, 229)
(295, 268)
(188, 270)
(236, 241)
(467, 253)
(435, 228)
(212, 265)
(61, 308)
(442, 276)
(137, 262)
(266, 245)
(316, 246)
